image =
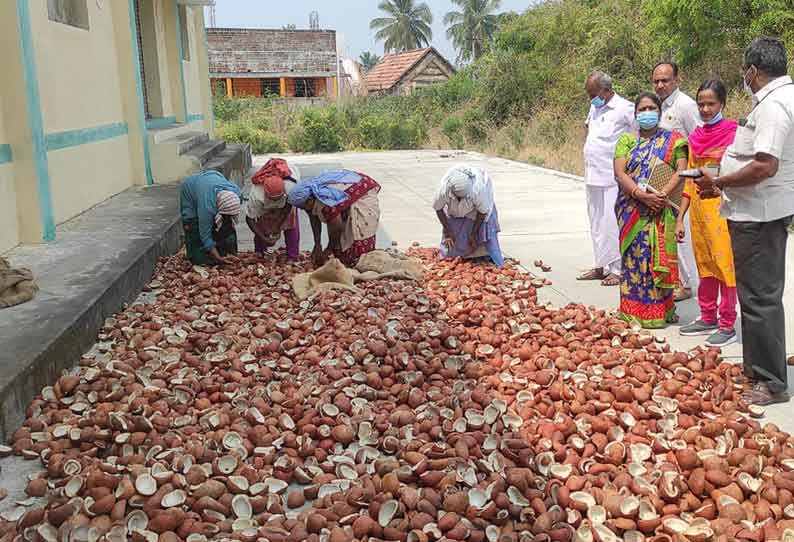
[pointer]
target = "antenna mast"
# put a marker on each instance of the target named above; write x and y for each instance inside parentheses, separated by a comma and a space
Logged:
(212, 15)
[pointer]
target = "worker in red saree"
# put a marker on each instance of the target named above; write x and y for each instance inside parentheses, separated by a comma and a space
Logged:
(347, 203)
(268, 213)
(646, 221)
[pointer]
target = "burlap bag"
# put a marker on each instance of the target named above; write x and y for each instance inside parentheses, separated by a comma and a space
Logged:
(16, 285)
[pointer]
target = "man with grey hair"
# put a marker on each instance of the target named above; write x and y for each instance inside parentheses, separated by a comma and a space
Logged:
(610, 116)
(756, 181)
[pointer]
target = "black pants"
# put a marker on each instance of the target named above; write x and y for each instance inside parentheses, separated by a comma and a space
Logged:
(759, 253)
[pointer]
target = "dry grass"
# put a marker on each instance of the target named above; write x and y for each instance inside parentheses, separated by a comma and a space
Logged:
(552, 139)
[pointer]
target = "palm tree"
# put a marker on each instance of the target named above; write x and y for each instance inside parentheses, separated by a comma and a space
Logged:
(406, 27)
(471, 28)
(368, 60)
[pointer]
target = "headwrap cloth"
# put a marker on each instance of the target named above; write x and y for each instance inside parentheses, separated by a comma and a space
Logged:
(319, 189)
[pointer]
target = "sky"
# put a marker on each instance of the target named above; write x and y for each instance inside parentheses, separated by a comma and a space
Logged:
(350, 18)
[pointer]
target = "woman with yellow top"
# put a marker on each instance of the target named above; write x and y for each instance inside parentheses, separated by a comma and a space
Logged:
(710, 238)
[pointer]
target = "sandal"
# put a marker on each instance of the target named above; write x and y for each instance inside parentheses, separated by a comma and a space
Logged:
(593, 274)
(673, 319)
(611, 280)
(761, 395)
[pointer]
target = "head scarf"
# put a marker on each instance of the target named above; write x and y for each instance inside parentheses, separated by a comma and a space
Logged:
(461, 182)
(271, 176)
(319, 188)
(228, 204)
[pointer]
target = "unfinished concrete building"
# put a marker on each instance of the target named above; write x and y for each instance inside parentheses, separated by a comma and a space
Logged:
(299, 65)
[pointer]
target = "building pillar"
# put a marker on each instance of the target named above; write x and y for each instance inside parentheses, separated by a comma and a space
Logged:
(132, 84)
(22, 110)
(229, 87)
(282, 87)
(336, 87)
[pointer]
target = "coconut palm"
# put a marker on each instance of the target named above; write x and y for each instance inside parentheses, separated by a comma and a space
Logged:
(472, 27)
(368, 60)
(406, 26)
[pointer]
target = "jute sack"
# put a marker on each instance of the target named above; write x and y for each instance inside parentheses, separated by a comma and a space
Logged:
(16, 285)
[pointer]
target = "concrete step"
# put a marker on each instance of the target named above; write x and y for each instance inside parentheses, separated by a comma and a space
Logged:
(234, 162)
(158, 135)
(186, 141)
(206, 151)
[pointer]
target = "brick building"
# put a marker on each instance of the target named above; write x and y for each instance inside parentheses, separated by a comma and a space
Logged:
(295, 64)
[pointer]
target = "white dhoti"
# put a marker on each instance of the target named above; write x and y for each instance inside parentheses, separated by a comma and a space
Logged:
(604, 227)
(687, 266)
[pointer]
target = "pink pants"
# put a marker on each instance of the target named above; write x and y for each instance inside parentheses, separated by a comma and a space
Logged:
(709, 291)
(292, 240)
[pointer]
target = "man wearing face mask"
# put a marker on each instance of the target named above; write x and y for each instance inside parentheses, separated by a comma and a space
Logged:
(610, 116)
(756, 182)
(680, 114)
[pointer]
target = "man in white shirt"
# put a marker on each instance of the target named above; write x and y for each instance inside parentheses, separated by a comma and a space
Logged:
(757, 184)
(610, 116)
(680, 114)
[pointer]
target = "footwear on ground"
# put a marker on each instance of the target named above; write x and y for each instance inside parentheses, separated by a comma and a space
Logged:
(698, 327)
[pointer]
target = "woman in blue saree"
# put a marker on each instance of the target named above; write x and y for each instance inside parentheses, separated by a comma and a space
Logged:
(645, 218)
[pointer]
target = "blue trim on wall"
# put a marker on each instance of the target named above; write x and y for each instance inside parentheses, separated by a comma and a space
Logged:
(33, 104)
(180, 52)
(73, 138)
(5, 153)
(160, 122)
(195, 116)
(136, 64)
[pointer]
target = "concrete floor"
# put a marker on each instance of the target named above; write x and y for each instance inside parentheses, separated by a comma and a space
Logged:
(542, 215)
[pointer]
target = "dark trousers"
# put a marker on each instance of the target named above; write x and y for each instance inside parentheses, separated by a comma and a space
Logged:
(759, 253)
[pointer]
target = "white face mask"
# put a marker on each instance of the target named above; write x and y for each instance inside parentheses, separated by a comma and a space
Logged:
(747, 88)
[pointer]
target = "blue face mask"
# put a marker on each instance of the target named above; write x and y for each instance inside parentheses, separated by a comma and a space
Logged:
(648, 119)
(718, 117)
(598, 102)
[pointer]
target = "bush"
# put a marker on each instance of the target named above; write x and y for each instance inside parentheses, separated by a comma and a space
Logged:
(475, 122)
(452, 129)
(319, 129)
(390, 131)
(261, 142)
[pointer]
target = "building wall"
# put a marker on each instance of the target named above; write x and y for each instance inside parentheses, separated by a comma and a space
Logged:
(8, 198)
(193, 79)
(69, 60)
(73, 97)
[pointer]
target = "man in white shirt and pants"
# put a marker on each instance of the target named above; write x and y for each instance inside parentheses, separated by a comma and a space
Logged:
(610, 116)
(757, 184)
(680, 114)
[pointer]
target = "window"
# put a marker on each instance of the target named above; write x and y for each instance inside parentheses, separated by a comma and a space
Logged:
(304, 88)
(183, 14)
(71, 12)
(271, 87)
(219, 87)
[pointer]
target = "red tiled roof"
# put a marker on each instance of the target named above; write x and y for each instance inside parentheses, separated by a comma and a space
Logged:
(393, 67)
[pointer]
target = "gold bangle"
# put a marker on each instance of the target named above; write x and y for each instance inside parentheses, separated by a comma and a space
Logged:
(634, 192)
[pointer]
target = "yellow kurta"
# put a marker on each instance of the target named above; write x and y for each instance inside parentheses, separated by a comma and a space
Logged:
(711, 240)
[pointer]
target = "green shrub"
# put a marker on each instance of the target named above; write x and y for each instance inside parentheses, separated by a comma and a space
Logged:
(261, 142)
(388, 130)
(319, 129)
(452, 128)
(475, 123)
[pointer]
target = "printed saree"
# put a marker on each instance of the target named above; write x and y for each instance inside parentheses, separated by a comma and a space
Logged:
(647, 240)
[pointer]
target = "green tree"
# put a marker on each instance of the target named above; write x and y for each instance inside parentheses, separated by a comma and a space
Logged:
(472, 28)
(368, 60)
(406, 26)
